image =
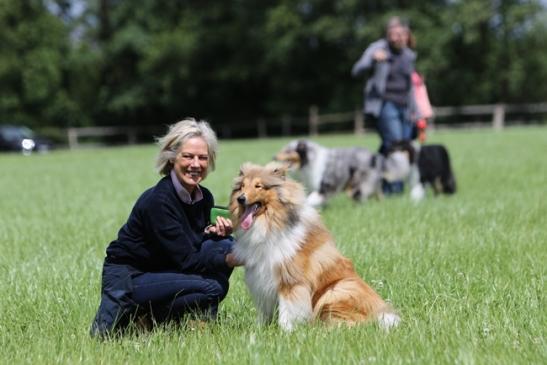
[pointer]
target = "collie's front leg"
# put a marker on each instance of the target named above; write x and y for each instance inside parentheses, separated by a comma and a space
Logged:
(294, 307)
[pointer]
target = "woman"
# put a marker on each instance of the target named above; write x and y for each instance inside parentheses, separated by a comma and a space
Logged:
(168, 260)
(389, 96)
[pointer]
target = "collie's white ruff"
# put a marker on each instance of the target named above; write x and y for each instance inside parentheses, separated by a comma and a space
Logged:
(262, 252)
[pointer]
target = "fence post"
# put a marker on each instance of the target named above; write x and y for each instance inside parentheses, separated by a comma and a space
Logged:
(131, 135)
(72, 135)
(286, 125)
(498, 119)
(359, 120)
(314, 120)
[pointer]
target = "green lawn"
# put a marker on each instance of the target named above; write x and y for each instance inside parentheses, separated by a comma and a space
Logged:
(465, 272)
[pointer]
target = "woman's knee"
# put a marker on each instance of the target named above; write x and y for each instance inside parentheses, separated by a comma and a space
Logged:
(217, 289)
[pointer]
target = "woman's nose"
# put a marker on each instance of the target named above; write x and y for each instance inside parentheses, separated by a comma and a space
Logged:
(195, 161)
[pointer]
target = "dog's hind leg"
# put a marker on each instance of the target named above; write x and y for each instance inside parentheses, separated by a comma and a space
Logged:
(294, 307)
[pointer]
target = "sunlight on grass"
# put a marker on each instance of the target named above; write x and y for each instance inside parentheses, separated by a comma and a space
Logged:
(466, 272)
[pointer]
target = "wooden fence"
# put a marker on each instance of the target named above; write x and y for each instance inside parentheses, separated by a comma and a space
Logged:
(497, 114)
(129, 134)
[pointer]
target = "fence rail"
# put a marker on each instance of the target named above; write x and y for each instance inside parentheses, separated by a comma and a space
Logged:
(498, 113)
(313, 122)
(130, 134)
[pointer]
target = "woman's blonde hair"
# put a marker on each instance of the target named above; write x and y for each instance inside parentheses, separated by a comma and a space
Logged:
(177, 136)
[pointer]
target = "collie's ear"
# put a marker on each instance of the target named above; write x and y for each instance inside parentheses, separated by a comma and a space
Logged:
(302, 146)
(245, 168)
(277, 169)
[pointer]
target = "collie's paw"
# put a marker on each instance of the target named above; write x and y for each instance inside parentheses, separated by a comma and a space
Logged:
(388, 320)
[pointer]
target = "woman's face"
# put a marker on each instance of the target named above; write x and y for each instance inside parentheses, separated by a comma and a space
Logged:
(397, 36)
(191, 163)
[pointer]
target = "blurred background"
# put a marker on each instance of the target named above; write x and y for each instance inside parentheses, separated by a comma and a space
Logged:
(251, 68)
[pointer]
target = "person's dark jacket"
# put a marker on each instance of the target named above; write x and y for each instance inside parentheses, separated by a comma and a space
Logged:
(162, 234)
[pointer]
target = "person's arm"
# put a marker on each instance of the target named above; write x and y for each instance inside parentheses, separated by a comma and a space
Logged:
(414, 111)
(370, 56)
(172, 233)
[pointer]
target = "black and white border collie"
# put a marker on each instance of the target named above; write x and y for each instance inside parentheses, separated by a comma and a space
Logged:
(430, 167)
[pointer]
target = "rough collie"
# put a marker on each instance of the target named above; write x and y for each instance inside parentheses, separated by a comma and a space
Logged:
(291, 261)
(328, 171)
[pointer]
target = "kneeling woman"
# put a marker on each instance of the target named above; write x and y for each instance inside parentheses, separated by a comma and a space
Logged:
(168, 260)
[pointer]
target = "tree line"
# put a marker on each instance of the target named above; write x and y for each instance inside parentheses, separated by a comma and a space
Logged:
(120, 62)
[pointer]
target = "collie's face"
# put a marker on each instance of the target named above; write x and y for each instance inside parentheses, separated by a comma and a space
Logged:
(264, 194)
(289, 158)
(254, 192)
(295, 155)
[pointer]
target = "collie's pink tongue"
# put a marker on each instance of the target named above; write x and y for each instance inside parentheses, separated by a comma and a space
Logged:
(248, 216)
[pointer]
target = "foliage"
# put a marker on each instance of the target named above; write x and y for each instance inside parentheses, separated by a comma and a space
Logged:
(466, 272)
(32, 66)
(76, 62)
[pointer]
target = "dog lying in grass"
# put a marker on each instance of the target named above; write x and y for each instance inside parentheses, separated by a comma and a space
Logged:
(291, 261)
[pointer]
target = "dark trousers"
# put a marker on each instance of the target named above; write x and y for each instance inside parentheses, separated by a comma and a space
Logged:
(170, 295)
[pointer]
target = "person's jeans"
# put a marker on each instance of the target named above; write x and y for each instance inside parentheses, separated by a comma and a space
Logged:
(169, 295)
(393, 126)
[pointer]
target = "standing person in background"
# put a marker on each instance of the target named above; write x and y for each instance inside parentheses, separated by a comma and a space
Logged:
(387, 65)
(168, 259)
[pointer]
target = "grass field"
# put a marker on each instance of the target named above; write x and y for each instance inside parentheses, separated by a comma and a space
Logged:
(466, 273)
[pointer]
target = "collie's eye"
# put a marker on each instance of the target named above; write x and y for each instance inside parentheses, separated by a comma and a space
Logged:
(258, 186)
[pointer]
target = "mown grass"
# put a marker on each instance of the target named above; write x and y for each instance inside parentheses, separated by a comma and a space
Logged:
(466, 273)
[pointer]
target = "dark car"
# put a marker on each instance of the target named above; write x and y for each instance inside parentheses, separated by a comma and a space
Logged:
(22, 139)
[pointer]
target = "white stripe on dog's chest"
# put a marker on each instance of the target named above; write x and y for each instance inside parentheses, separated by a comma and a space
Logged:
(263, 253)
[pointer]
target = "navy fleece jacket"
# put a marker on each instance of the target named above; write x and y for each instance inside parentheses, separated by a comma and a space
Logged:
(165, 234)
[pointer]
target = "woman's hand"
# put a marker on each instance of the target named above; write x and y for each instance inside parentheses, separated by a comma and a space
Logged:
(223, 227)
(380, 55)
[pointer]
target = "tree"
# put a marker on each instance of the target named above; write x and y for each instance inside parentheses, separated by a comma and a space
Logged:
(120, 62)
(32, 65)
